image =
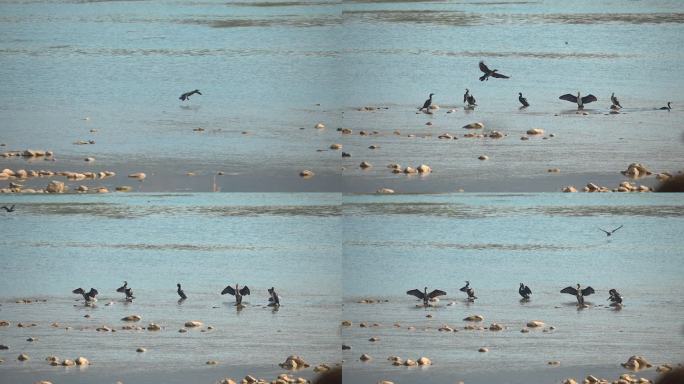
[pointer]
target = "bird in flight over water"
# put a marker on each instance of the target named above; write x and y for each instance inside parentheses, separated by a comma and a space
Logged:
(186, 95)
(490, 72)
(8, 209)
(610, 233)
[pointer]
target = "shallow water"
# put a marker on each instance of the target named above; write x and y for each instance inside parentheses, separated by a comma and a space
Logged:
(548, 241)
(264, 67)
(154, 241)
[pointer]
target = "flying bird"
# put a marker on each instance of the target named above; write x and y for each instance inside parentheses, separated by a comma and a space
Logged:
(471, 292)
(610, 233)
(614, 100)
(579, 100)
(10, 209)
(425, 296)
(578, 293)
(180, 292)
(427, 103)
(186, 95)
(523, 100)
(666, 108)
(524, 291)
(237, 292)
(490, 72)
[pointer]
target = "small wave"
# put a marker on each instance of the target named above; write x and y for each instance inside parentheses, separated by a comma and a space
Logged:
(462, 246)
(298, 22)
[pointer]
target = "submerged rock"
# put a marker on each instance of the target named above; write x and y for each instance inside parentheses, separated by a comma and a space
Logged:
(306, 173)
(365, 357)
(476, 125)
(474, 318)
(23, 357)
(193, 323)
(132, 318)
(424, 361)
(535, 131)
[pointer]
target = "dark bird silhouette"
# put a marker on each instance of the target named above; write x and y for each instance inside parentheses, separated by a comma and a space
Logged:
(579, 100)
(274, 300)
(469, 99)
(122, 288)
(89, 296)
(524, 291)
(186, 95)
(615, 297)
(666, 108)
(425, 296)
(180, 292)
(523, 100)
(610, 233)
(129, 294)
(614, 100)
(8, 209)
(427, 103)
(490, 72)
(237, 292)
(471, 292)
(578, 293)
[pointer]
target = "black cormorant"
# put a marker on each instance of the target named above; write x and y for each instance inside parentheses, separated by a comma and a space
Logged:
(610, 233)
(274, 300)
(180, 292)
(237, 292)
(578, 293)
(524, 291)
(615, 297)
(469, 99)
(579, 100)
(523, 100)
(427, 103)
(89, 296)
(186, 95)
(425, 296)
(490, 72)
(666, 108)
(614, 100)
(8, 209)
(471, 292)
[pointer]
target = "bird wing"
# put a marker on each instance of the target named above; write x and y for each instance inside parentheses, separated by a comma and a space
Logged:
(417, 293)
(244, 291)
(483, 77)
(483, 67)
(499, 75)
(589, 99)
(613, 231)
(569, 97)
(569, 290)
(464, 288)
(527, 290)
(198, 92)
(228, 289)
(78, 291)
(183, 97)
(436, 293)
(121, 289)
(603, 230)
(587, 291)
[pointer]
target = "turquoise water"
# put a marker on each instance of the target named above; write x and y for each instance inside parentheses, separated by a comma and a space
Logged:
(271, 68)
(548, 241)
(53, 245)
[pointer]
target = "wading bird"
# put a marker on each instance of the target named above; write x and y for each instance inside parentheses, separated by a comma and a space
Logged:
(471, 292)
(122, 289)
(237, 292)
(614, 100)
(428, 102)
(610, 233)
(180, 292)
(469, 99)
(524, 291)
(186, 95)
(274, 300)
(615, 298)
(579, 100)
(490, 72)
(578, 293)
(425, 296)
(89, 296)
(523, 100)
(8, 209)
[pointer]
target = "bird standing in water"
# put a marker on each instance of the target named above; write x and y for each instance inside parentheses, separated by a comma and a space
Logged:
(469, 99)
(523, 100)
(427, 103)
(180, 292)
(578, 293)
(524, 291)
(615, 101)
(89, 297)
(237, 292)
(666, 108)
(274, 299)
(471, 292)
(425, 296)
(579, 100)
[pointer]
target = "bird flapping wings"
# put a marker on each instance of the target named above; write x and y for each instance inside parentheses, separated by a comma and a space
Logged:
(569, 97)
(569, 290)
(244, 291)
(417, 293)
(484, 68)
